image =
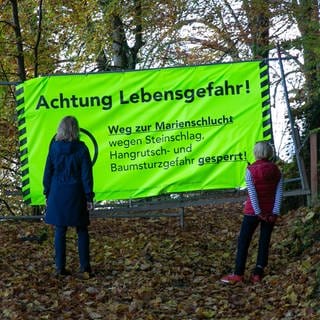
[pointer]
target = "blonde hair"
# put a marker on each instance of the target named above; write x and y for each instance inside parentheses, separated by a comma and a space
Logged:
(263, 150)
(68, 129)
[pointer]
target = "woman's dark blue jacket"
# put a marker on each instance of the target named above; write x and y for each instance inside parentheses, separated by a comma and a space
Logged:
(68, 183)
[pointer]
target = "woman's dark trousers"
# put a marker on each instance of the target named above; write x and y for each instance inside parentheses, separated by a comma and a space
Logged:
(83, 247)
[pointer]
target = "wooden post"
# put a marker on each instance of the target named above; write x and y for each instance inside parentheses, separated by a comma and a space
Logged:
(314, 167)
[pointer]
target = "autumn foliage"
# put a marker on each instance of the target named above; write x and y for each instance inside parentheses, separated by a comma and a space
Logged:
(153, 269)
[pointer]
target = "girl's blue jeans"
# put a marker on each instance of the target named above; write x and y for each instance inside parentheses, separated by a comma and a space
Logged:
(248, 227)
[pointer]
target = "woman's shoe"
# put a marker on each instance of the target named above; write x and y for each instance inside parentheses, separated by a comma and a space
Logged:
(62, 272)
(85, 275)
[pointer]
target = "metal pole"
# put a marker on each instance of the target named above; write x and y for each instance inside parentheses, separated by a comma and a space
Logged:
(314, 167)
(304, 181)
(9, 83)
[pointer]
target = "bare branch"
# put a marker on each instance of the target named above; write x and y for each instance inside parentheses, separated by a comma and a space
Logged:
(7, 206)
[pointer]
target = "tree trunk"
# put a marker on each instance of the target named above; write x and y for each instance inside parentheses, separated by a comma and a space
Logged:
(120, 46)
(36, 47)
(258, 15)
(19, 44)
(124, 57)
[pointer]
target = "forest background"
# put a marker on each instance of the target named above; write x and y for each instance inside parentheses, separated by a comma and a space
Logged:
(52, 37)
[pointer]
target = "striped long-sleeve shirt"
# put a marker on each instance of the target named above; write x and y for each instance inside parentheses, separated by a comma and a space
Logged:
(254, 197)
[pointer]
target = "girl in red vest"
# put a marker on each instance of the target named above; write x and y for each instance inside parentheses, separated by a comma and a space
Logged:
(264, 184)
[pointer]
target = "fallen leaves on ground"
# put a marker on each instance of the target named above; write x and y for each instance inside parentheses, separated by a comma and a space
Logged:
(153, 269)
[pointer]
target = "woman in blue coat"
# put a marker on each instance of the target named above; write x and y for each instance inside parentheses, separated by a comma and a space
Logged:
(68, 187)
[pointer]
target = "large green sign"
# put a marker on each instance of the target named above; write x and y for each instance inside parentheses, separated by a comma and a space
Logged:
(150, 132)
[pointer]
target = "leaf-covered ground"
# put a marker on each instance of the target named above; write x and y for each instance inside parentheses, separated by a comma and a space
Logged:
(153, 269)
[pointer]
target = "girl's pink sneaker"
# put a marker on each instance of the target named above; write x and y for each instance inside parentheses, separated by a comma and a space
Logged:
(255, 278)
(232, 278)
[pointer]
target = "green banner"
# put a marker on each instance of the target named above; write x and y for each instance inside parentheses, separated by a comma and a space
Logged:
(150, 132)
